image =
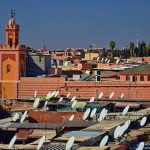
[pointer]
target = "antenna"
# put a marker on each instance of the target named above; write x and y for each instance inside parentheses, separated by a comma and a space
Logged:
(23, 116)
(86, 114)
(143, 121)
(74, 104)
(111, 95)
(73, 98)
(71, 118)
(35, 93)
(70, 143)
(12, 142)
(122, 95)
(125, 111)
(93, 112)
(42, 139)
(104, 141)
(141, 146)
(60, 99)
(68, 94)
(100, 95)
(91, 100)
(15, 117)
(36, 103)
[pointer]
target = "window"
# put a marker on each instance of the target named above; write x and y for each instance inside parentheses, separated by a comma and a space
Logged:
(141, 78)
(148, 78)
(127, 78)
(10, 42)
(134, 78)
(8, 68)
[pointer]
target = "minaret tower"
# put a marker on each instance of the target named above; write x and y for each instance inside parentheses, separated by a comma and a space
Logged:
(12, 60)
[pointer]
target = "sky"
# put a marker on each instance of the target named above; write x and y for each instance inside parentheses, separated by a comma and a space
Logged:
(77, 23)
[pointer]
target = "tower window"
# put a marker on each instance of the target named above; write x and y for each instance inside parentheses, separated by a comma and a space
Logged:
(148, 78)
(141, 78)
(10, 42)
(8, 68)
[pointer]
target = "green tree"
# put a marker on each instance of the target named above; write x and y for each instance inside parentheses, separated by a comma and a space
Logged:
(112, 44)
(131, 47)
(142, 49)
(148, 49)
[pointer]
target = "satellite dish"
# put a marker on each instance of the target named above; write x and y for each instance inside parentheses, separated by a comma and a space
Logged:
(122, 95)
(86, 114)
(117, 132)
(108, 61)
(70, 143)
(48, 95)
(56, 93)
(36, 103)
(13, 140)
(104, 141)
(91, 100)
(45, 104)
(42, 139)
(23, 116)
(100, 95)
(74, 104)
(71, 118)
(103, 114)
(127, 124)
(111, 95)
(93, 112)
(100, 118)
(15, 117)
(123, 129)
(60, 99)
(143, 121)
(68, 94)
(125, 111)
(35, 93)
(73, 99)
(141, 146)
(102, 59)
(98, 58)
(117, 61)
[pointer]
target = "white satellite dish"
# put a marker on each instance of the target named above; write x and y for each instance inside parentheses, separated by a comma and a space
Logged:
(86, 114)
(103, 113)
(117, 132)
(73, 99)
(143, 121)
(23, 116)
(13, 140)
(42, 139)
(71, 118)
(100, 95)
(56, 93)
(123, 129)
(117, 61)
(93, 112)
(74, 104)
(70, 143)
(104, 141)
(102, 59)
(15, 117)
(36, 103)
(98, 58)
(141, 146)
(48, 95)
(125, 111)
(127, 124)
(35, 93)
(60, 99)
(111, 95)
(45, 104)
(108, 61)
(91, 100)
(100, 118)
(122, 95)
(68, 94)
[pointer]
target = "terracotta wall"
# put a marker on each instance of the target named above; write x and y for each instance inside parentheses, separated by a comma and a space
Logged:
(28, 85)
(83, 89)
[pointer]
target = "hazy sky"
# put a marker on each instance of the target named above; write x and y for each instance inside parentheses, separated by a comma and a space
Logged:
(77, 23)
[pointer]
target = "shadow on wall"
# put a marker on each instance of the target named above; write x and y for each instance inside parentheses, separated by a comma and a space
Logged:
(33, 67)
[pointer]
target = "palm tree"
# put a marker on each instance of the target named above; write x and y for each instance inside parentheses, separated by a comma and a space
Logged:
(131, 47)
(112, 44)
